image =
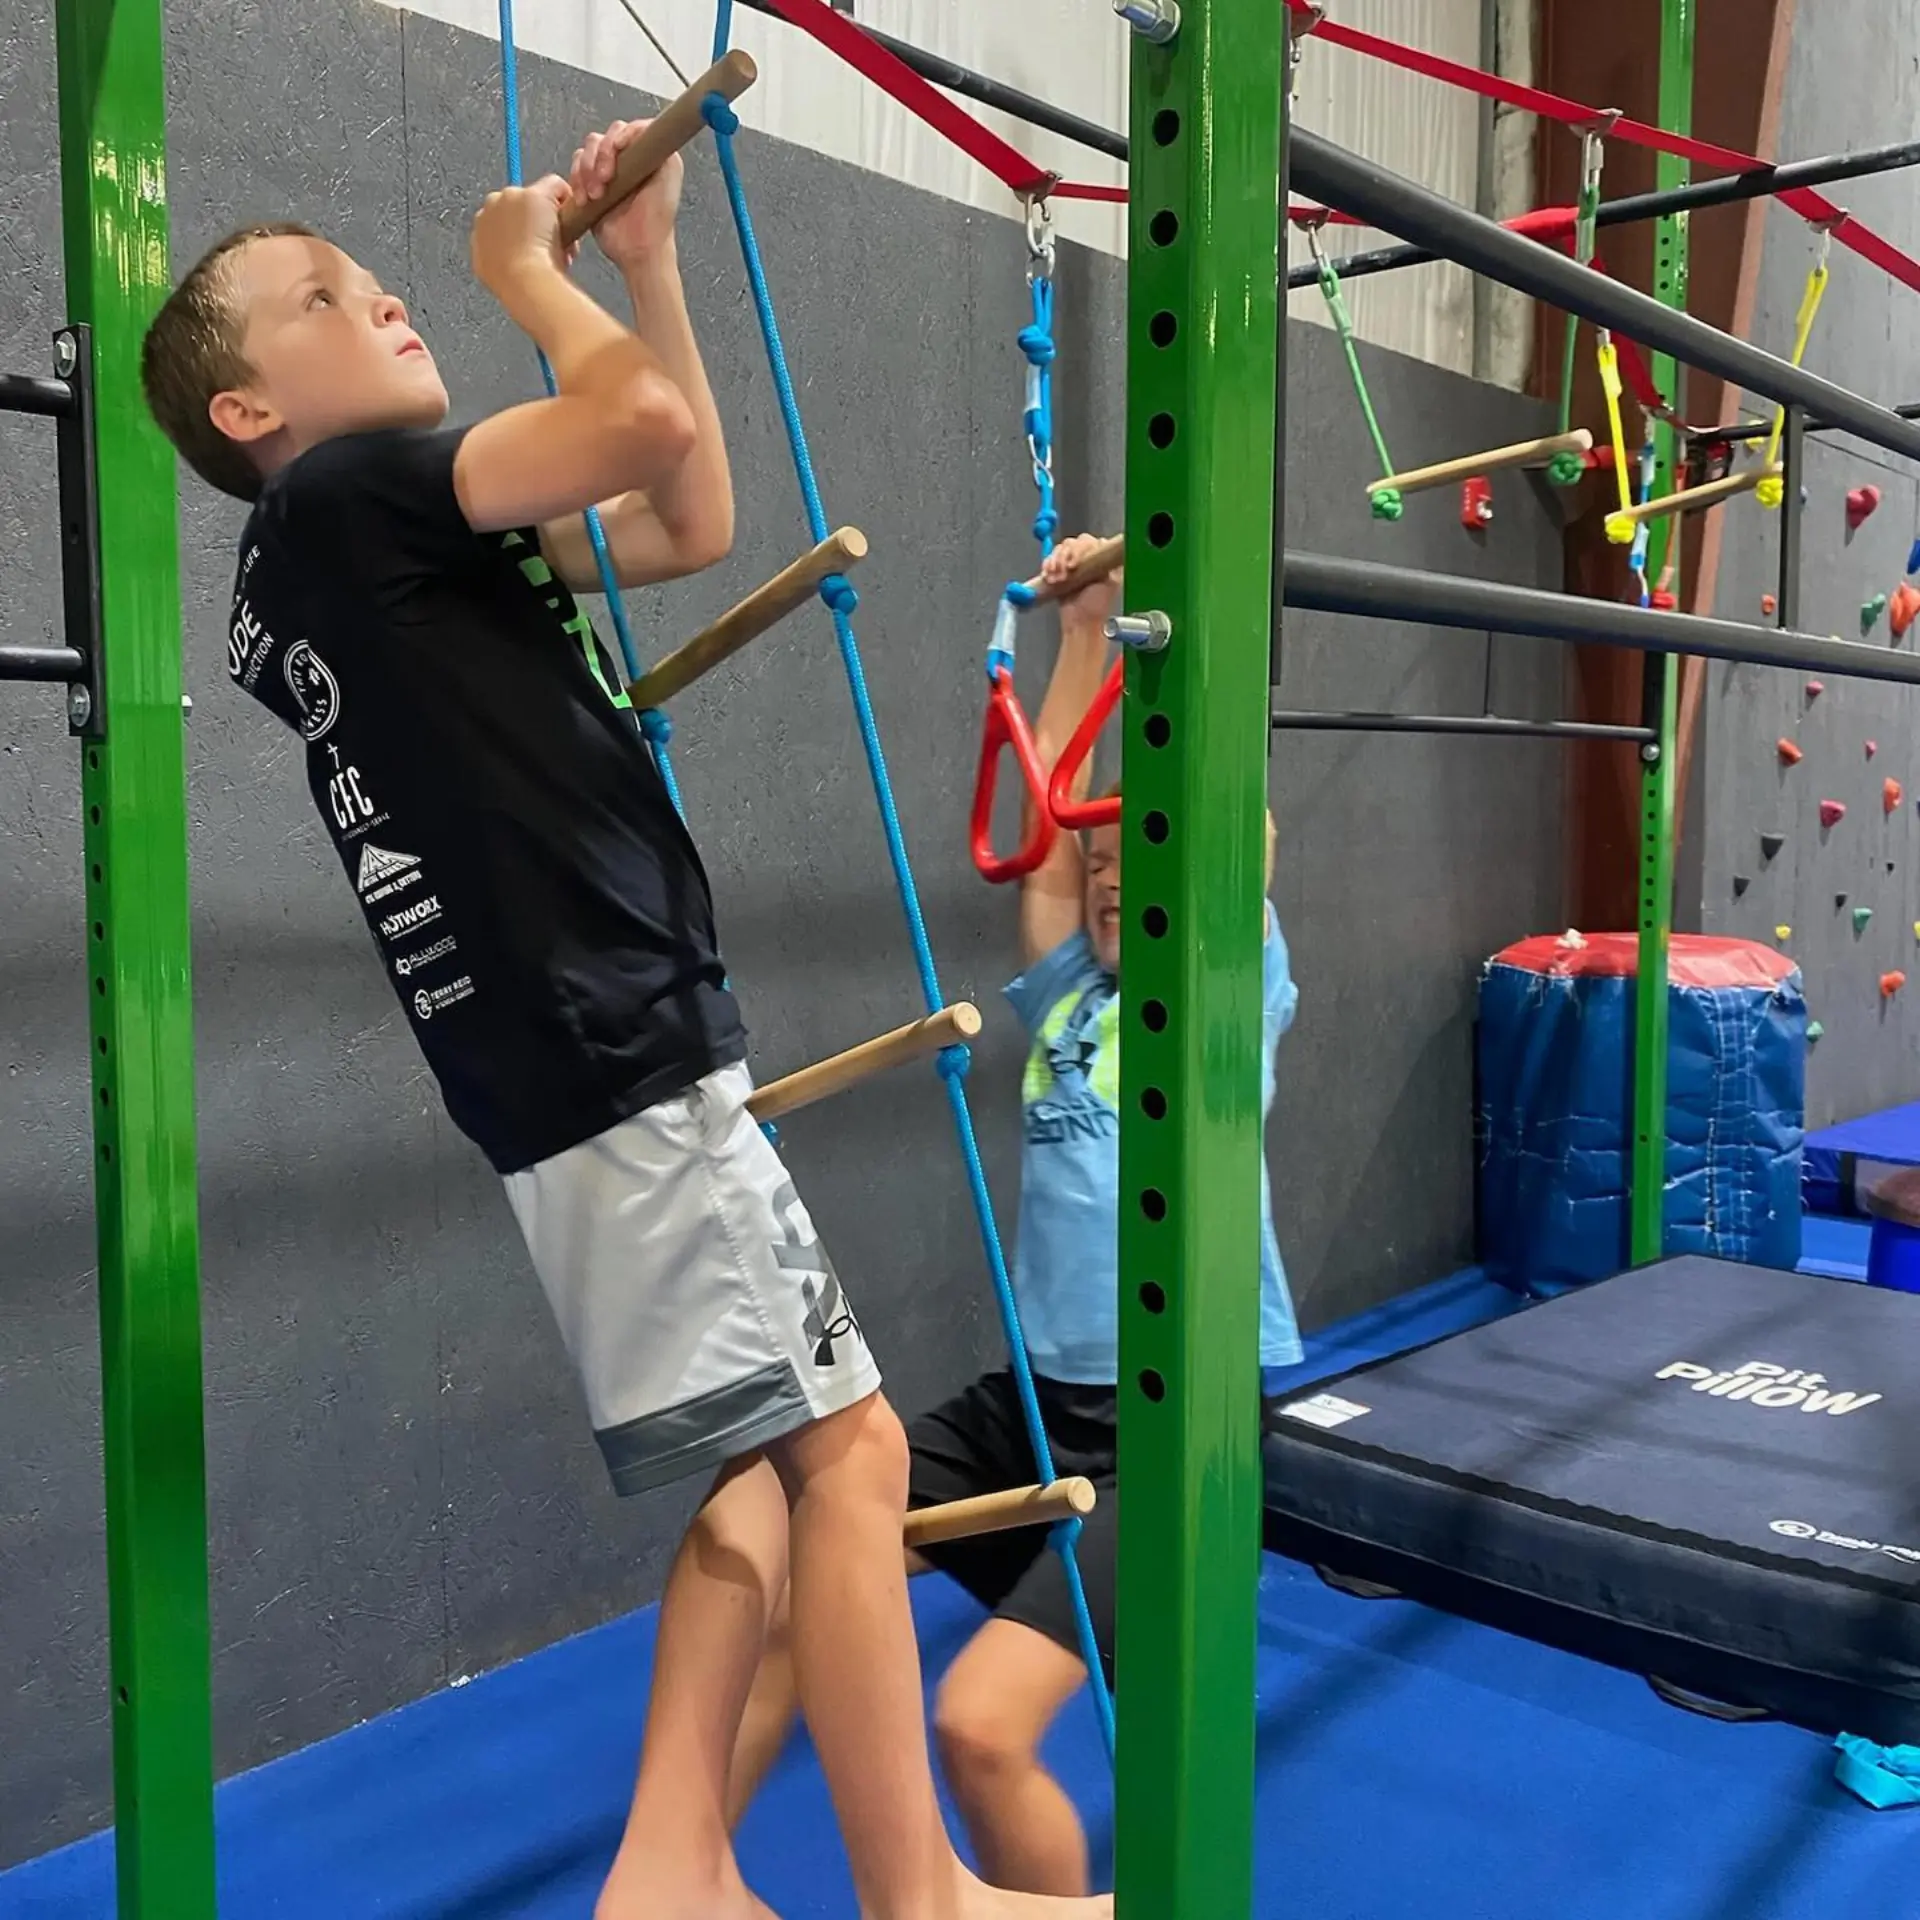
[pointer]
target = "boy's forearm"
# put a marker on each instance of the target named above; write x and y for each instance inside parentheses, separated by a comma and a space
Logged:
(589, 350)
(700, 493)
(1078, 669)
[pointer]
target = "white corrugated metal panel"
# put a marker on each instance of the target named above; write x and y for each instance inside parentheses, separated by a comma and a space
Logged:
(1075, 54)
(1430, 133)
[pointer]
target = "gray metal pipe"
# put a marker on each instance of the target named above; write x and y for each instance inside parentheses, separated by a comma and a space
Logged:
(1300, 720)
(1318, 583)
(40, 663)
(1352, 185)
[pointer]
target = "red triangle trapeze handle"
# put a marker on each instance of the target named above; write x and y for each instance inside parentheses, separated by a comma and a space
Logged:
(1066, 810)
(1006, 726)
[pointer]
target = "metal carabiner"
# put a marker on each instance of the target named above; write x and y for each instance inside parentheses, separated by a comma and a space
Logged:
(1039, 235)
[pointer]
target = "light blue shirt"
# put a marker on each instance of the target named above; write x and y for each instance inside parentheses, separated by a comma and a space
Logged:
(1066, 1262)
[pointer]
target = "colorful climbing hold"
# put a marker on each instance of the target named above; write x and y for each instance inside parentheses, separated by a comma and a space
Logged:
(1770, 844)
(1913, 558)
(1891, 983)
(1783, 933)
(1815, 688)
(1740, 884)
(1873, 747)
(1790, 754)
(1902, 609)
(1870, 612)
(1839, 901)
(1814, 1031)
(1916, 929)
(1832, 812)
(1891, 794)
(1861, 502)
(1769, 605)
(1861, 915)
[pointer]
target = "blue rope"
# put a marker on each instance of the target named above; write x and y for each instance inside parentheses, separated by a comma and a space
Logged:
(953, 1061)
(656, 735)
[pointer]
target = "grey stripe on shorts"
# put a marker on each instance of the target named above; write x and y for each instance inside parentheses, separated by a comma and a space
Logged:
(702, 1434)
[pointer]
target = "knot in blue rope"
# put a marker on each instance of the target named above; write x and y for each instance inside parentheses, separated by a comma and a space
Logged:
(1046, 523)
(837, 593)
(1019, 594)
(715, 111)
(1037, 344)
(656, 726)
(953, 1062)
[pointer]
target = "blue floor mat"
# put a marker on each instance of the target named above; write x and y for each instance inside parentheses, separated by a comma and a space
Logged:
(1411, 1767)
(1834, 1247)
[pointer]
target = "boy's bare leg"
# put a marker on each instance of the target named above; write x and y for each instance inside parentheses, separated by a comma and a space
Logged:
(773, 1708)
(858, 1669)
(996, 1703)
(676, 1858)
(767, 1725)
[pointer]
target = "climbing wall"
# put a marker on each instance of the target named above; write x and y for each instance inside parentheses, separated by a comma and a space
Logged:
(1779, 862)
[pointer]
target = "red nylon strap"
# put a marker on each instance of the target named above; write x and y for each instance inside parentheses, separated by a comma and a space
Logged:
(1086, 190)
(1804, 201)
(892, 75)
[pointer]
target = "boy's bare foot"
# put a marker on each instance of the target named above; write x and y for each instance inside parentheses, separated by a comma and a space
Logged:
(978, 1901)
(639, 1890)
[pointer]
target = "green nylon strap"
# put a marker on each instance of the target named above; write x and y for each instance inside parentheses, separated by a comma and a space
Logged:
(1343, 326)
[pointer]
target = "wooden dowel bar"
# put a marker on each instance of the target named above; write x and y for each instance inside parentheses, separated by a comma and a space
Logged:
(1521, 453)
(763, 608)
(676, 124)
(1071, 1499)
(1106, 558)
(951, 1026)
(1692, 497)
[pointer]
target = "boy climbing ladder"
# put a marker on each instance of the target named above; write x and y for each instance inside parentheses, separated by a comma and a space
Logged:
(403, 603)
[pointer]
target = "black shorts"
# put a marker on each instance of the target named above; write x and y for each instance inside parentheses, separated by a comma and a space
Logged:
(977, 1443)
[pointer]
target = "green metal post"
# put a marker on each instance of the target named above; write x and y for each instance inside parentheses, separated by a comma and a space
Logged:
(113, 175)
(1648, 1206)
(1207, 125)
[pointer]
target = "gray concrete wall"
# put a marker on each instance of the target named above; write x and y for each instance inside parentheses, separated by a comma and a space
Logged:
(1851, 84)
(403, 1489)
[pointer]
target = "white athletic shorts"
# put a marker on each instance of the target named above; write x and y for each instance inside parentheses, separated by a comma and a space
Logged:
(694, 1295)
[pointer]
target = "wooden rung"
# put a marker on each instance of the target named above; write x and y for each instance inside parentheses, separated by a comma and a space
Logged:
(1522, 453)
(1684, 502)
(761, 609)
(1001, 1512)
(1103, 560)
(673, 126)
(918, 1038)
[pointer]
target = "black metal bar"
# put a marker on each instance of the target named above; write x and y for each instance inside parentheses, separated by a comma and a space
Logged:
(35, 393)
(1793, 467)
(1293, 720)
(1750, 430)
(988, 91)
(40, 663)
(1756, 184)
(1318, 583)
(80, 533)
(1353, 185)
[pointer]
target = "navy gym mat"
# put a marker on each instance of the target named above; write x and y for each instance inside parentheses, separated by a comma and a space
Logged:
(1704, 1472)
(1892, 1135)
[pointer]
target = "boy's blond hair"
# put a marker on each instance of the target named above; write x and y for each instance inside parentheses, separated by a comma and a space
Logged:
(193, 350)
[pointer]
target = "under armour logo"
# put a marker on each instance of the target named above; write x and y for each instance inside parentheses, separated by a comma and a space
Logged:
(828, 1316)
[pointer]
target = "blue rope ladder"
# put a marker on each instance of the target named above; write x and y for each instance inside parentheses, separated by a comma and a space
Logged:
(838, 595)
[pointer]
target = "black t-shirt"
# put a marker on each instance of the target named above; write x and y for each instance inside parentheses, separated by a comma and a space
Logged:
(538, 903)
